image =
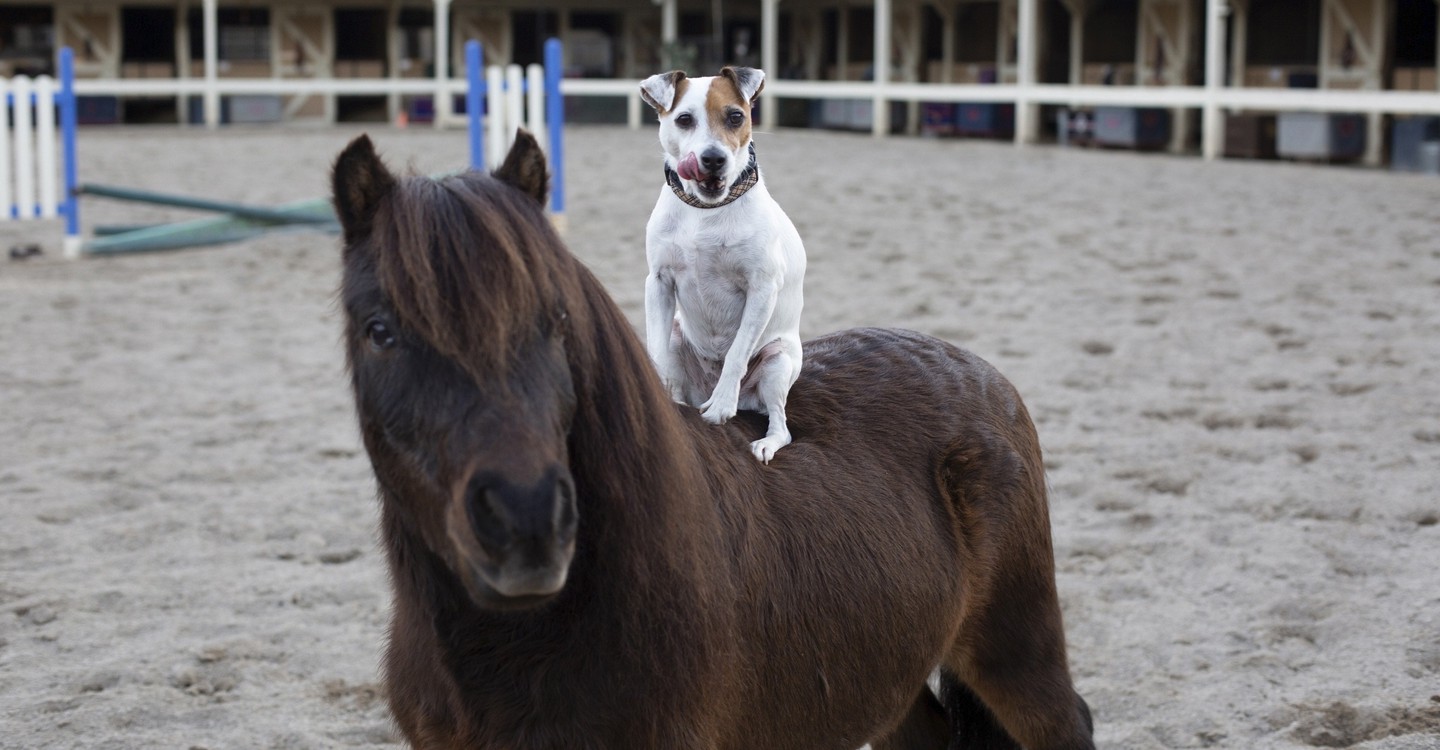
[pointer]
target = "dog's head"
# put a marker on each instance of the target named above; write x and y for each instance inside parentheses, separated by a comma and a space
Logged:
(705, 126)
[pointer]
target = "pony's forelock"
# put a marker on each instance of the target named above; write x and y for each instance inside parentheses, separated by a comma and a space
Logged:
(468, 264)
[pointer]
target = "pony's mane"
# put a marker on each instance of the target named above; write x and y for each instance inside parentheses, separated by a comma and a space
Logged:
(472, 266)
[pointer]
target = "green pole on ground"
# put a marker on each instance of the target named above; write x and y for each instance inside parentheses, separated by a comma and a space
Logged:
(260, 213)
(316, 213)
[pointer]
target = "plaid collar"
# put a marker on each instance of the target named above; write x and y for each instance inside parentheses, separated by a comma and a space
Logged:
(744, 182)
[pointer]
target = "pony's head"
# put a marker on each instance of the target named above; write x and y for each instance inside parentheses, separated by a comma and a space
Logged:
(454, 295)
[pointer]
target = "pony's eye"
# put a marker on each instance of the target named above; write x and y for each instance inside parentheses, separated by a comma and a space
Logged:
(685, 120)
(379, 335)
(737, 119)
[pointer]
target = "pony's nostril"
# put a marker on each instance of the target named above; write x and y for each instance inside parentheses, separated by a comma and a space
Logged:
(488, 520)
(566, 514)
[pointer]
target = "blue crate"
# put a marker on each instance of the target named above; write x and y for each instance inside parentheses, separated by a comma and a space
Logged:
(988, 119)
(937, 118)
(97, 110)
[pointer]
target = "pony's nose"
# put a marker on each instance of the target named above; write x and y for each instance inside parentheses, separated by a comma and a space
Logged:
(713, 160)
(526, 532)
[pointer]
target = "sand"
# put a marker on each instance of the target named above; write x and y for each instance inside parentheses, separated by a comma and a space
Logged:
(1234, 367)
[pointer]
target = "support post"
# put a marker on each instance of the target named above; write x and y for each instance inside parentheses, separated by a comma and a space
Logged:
(1212, 128)
(327, 32)
(444, 108)
(880, 119)
(769, 60)
(1240, 31)
(669, 33)
(392, 59)
(1326, 54)
(1077, 43)
(212, 64)
(67, 148)
(814, 48)
(555, 126)
(182, 57)
(911, 55)
(474, 104)
(1027, 120)
(947, 42)
(1380, 21)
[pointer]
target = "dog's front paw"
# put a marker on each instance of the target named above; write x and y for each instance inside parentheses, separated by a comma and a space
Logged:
(718, 410)
(765, 448)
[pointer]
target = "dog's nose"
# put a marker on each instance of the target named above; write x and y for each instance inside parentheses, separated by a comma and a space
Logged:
(713, 160)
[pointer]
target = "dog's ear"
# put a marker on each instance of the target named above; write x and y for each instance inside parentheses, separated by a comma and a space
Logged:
(524, 167)
(750, 81)
(359, 181)
(662, 90)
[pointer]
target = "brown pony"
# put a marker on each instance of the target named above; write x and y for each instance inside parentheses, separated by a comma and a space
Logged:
(578, 562)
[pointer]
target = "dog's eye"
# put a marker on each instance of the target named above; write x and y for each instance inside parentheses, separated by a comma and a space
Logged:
(379, 335)
(685, 119)
(737, 118)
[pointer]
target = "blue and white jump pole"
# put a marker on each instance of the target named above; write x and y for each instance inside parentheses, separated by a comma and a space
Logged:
(28, 170)
(505, 98)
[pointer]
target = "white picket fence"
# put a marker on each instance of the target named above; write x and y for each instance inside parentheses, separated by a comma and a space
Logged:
(29, 168)
(518, 98)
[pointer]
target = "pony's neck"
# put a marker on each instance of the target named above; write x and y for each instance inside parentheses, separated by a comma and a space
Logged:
(628, 441)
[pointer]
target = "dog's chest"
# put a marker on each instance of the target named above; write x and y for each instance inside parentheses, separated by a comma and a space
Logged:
(713, 247)
(712, 262)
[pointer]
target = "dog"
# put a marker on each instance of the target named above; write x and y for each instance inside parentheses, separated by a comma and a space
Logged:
(724, 290)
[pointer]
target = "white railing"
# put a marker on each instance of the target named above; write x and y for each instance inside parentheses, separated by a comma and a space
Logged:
(1317, 100)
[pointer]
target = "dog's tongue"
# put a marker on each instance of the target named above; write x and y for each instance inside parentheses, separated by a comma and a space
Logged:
(689, 167)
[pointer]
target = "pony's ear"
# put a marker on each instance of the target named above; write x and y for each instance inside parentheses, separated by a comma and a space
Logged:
(750, 81)
(524, 167)
(359, 180)
(661, 90)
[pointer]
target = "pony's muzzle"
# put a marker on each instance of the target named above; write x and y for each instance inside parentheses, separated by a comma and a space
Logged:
(522, 536)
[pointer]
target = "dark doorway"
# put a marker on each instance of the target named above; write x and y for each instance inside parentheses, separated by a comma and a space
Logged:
(147, 34)
(360, 34)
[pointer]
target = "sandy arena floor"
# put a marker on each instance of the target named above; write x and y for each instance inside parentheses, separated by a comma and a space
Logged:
(1235, 370)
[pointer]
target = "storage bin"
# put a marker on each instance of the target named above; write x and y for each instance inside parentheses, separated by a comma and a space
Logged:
(1313, 135)
(1132, 127)
(1415, 145)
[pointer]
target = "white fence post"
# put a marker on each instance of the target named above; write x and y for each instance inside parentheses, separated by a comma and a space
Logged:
(45, 144)
(497, 142)
(535, 103)
(7, 198)
(514, 102)
(21, 89)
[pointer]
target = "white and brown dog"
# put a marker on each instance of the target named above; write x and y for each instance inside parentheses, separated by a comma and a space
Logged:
(723, 297)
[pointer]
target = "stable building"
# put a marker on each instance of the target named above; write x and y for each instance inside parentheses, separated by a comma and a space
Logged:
(1148, 45)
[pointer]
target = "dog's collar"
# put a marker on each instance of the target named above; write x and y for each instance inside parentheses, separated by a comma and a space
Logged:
(744, 182)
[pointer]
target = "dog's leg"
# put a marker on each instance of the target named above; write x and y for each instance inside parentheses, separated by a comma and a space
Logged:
(772, 377)
(659, 329)
(759, 306)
